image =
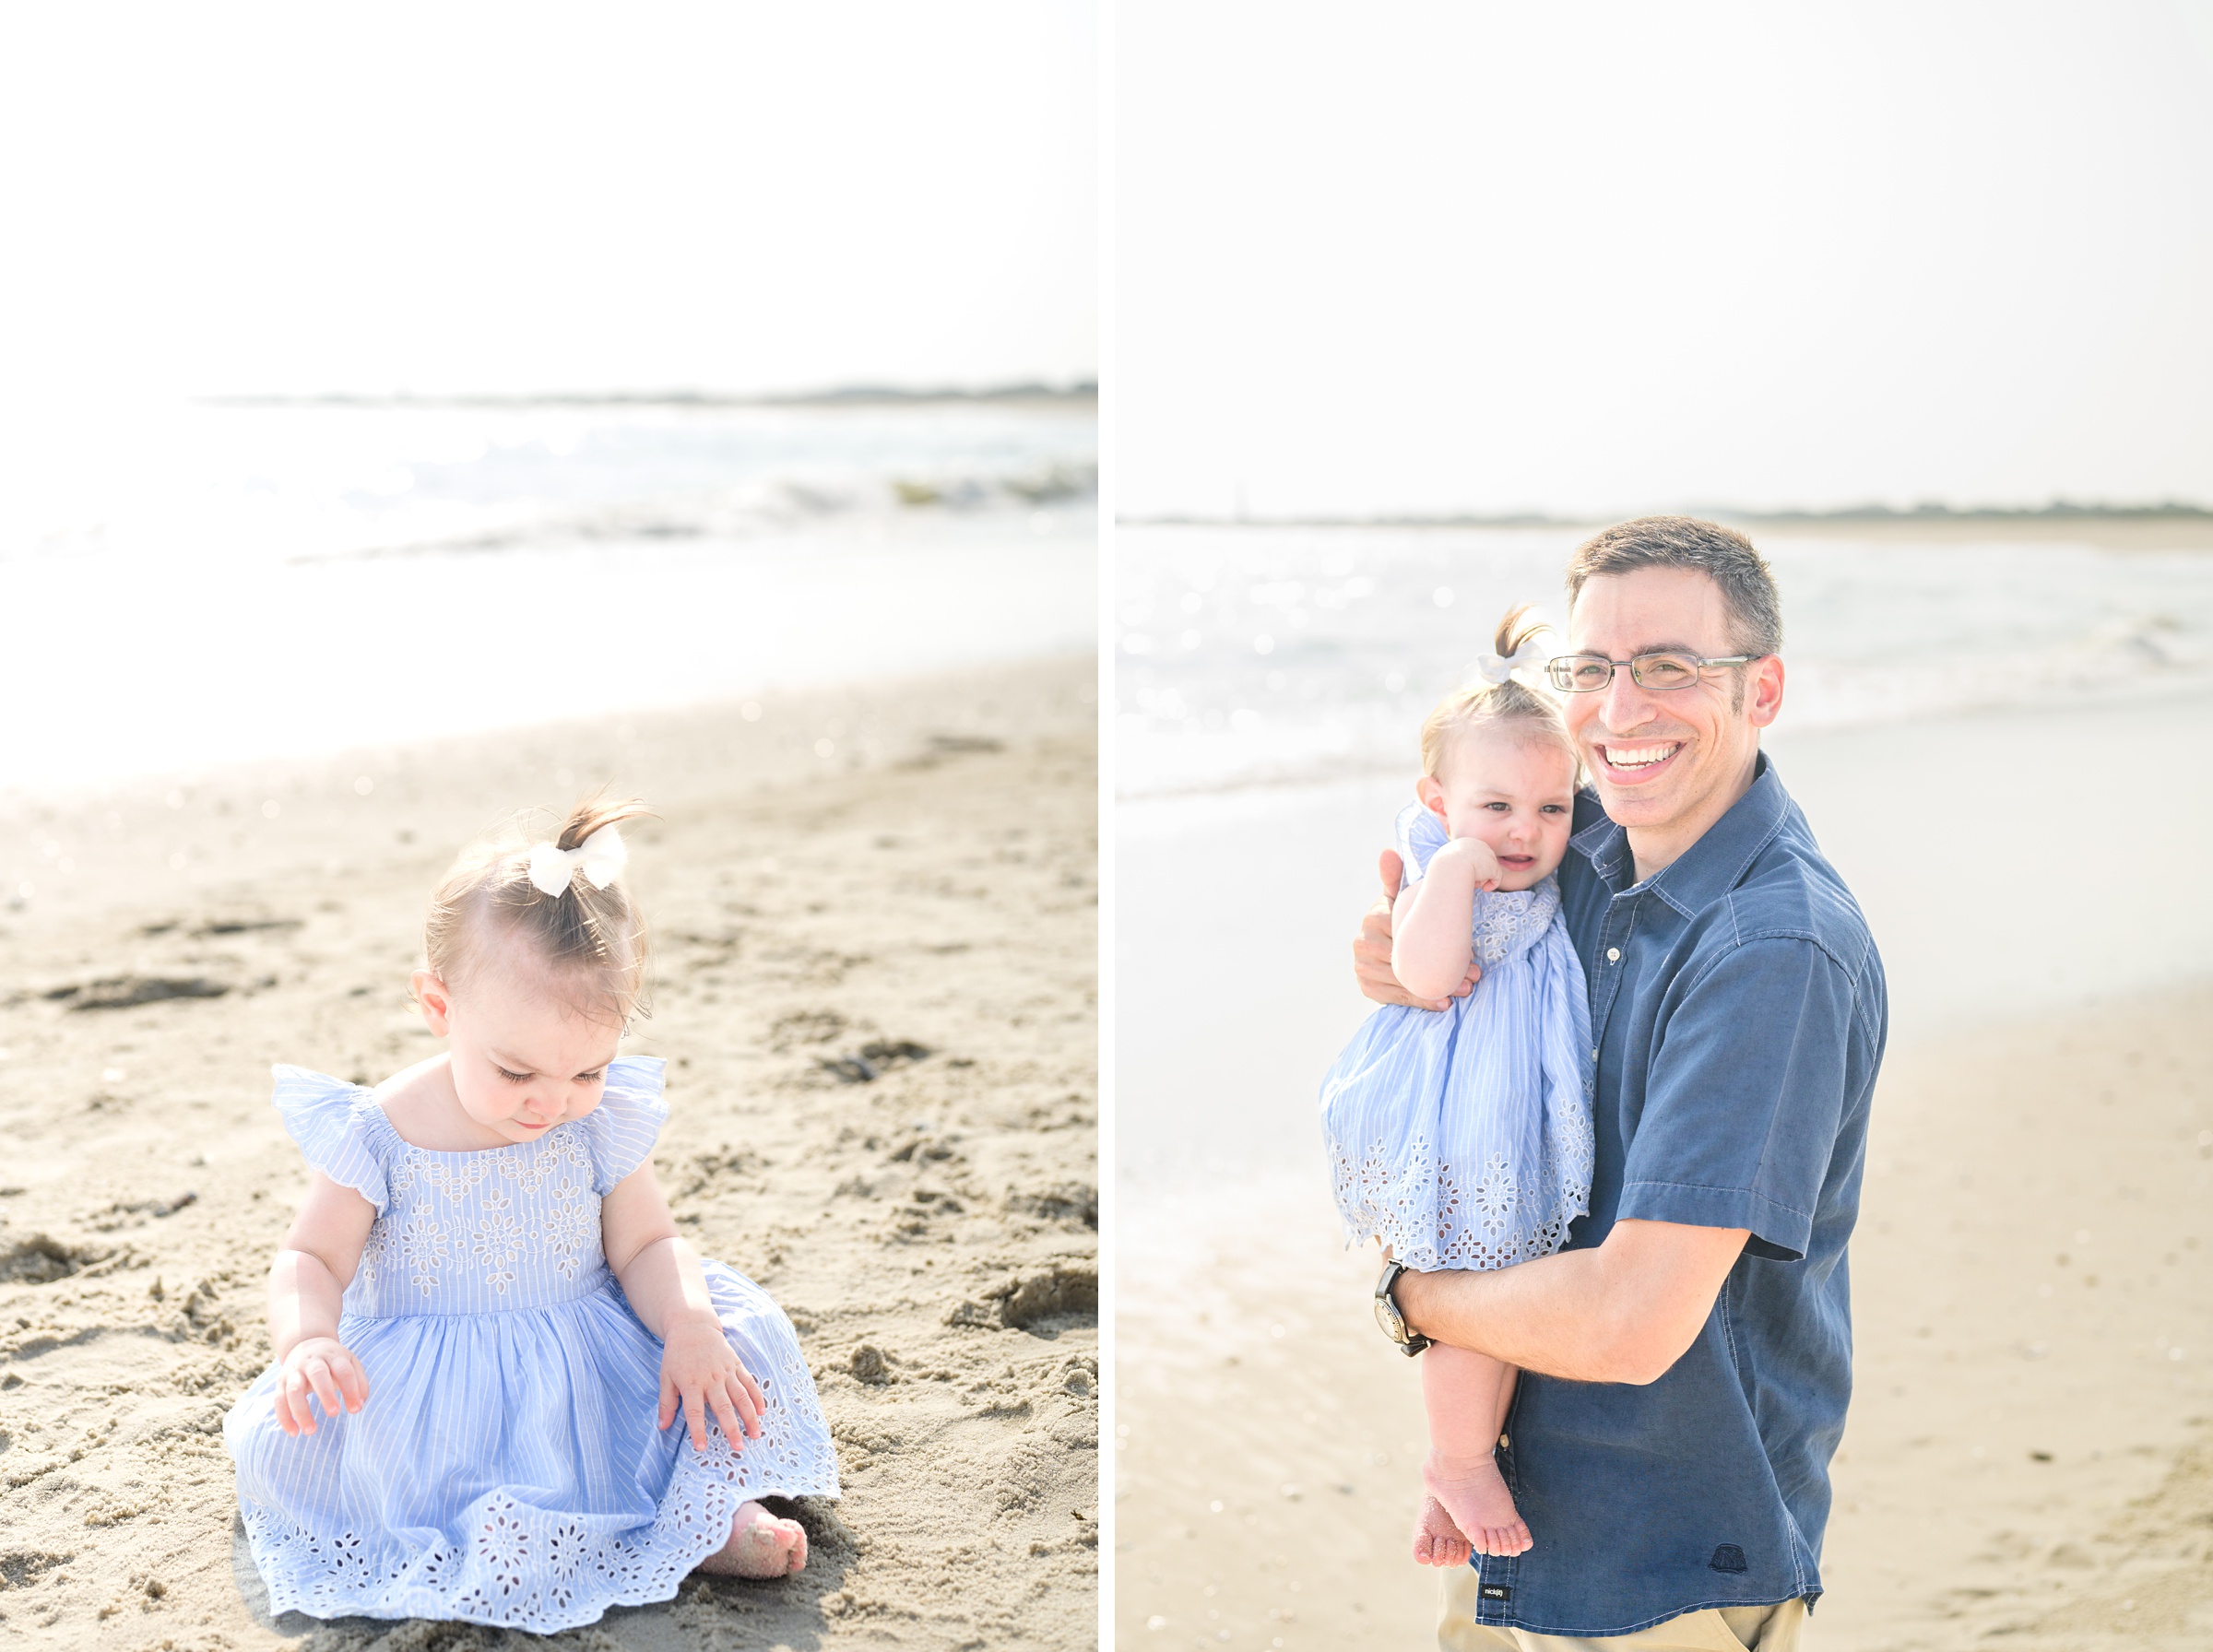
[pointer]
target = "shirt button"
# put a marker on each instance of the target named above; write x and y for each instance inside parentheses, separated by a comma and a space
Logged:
(1613, 954)
(1594, 1052)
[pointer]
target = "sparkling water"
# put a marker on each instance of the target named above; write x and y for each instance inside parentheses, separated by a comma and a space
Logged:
(1258, 655)
(182, 585)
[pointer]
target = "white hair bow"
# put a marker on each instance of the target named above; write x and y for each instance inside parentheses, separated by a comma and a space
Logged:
(1496, 670)
(600, 857)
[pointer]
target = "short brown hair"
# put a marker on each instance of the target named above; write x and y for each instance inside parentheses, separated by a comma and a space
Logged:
(1722, 554)
(595, 936)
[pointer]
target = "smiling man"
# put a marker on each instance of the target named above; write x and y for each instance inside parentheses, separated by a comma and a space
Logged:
(1688, 1354)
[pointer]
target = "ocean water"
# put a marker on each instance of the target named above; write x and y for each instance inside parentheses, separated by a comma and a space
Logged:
(1293, 655)
(186, 585)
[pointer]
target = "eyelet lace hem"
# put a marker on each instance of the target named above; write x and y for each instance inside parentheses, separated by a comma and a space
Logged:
(532, 1569)
(1433, 1217)
(526, 1568)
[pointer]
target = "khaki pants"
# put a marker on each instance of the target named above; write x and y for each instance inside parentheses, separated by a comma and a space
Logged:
(1720, 1629)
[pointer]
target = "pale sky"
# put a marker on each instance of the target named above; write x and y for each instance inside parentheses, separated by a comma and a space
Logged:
(1439, 257)
(226, 197)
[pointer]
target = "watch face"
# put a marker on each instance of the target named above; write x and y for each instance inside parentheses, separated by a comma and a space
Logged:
(1387, 1315)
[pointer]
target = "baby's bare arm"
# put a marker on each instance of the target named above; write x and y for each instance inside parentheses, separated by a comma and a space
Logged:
(316, 1262)
(1432, 936)
(667, 1291)
(1371, 950)
(307, 1282)
(660, 1273)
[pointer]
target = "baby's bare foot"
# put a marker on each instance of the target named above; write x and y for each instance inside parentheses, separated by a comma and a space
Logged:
(1437, 1541)
(1475, 1495)
(760, 1546)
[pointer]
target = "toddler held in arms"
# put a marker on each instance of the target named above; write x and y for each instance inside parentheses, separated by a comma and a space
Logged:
(483, 1317)
(1461, 1137)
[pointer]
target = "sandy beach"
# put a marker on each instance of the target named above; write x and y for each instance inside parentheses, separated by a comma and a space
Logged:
(875, 923)
(2029, 1452)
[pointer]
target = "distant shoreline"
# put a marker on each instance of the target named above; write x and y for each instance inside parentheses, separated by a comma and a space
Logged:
(851, 395)
(2171, 526)
(1854, 516)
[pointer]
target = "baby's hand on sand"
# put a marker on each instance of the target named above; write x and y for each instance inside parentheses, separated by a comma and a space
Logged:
(699, 1371)
(325, 1367)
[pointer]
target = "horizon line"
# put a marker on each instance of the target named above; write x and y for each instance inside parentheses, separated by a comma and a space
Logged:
(2058, 510)
(833, 396)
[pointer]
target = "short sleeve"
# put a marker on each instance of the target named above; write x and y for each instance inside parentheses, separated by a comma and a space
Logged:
(1746, 1097)
(624, 1125)
(329, 1118)
(1417, 834)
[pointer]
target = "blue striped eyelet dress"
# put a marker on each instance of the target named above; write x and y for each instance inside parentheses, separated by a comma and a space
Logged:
(507, 1469)
(1460, 1137)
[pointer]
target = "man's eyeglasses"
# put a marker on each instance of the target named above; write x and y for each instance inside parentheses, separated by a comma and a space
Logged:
(1588, 673)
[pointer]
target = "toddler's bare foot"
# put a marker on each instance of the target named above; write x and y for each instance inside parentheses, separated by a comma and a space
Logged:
(760, 1546)
(1437, 1541)
(1475, 1495)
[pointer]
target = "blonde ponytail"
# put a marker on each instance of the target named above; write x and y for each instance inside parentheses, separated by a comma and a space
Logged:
(1506, 702)
(591, 934)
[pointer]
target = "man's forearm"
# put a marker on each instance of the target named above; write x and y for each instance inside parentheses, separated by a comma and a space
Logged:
(1622, 1311)
(1552, 1316)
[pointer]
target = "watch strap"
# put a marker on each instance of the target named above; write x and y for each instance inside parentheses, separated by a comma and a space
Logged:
(1410, 1341)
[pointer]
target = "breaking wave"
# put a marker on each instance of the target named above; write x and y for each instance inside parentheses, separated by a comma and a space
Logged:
(773, 506)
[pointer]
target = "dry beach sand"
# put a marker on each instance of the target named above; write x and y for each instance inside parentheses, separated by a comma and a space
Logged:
(875, 987)
(2034, 1466)
(2028, 1459)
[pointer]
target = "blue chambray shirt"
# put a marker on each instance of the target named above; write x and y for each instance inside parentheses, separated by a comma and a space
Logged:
(1738, 1007)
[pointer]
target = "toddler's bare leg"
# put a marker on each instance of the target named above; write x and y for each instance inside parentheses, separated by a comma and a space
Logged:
(760, 1546)
(1458, 1404)
(1466, 1394)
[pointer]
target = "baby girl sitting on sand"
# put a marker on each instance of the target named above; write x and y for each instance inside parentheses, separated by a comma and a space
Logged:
(485, 1300)
(1461, 1137)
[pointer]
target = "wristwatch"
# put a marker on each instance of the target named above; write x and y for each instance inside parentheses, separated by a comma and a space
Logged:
(1388, 1315)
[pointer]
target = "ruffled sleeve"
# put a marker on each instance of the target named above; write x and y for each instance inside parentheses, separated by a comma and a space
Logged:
(1417, 835)
(622, 1127)
(329, 1118)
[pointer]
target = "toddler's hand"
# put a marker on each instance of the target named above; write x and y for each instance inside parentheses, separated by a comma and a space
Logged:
(325, 1367)
(1476, 856)
(699, 1370)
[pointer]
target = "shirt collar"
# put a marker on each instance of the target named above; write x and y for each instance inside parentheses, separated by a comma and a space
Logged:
(1710, 868)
